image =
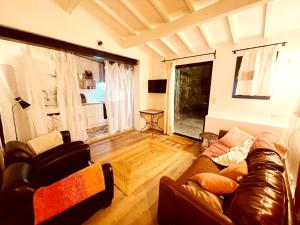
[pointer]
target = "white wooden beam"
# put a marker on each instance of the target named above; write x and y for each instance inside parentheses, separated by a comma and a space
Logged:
(166, 42)
(136, 13)
(114, 15)
(185, 41)
(232, 28)
(155, 49)
(190, 5)
(267, 22)
(220, 9)
(206, 36)
(67, 5)
(159, 8)
(201, 4)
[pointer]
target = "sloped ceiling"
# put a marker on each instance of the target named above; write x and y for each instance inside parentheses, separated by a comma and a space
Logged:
(172, 28)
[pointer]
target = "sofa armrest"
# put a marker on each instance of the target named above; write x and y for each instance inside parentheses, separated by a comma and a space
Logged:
(17, 188)
(59, 162)
(66, 136)
(79, 213)
(177, 206)
(222, 133)
(16, 151)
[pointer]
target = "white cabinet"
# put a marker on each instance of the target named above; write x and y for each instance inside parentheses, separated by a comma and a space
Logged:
(94, 115)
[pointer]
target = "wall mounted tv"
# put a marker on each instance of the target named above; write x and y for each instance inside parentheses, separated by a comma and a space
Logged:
(157, 86)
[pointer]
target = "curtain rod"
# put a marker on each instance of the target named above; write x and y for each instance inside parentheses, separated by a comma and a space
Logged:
(211, 53)
(259, 46)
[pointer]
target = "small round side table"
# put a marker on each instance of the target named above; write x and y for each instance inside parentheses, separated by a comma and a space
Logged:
(208, 137)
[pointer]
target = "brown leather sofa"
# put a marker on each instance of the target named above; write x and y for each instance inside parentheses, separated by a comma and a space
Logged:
(263, 197)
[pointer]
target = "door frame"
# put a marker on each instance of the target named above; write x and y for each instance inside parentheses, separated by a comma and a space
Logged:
(211, 63)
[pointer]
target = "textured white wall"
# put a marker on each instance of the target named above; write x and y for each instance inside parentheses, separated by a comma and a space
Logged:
(225, 111)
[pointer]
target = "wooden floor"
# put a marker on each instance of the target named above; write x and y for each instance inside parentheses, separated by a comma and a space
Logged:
(139, 207)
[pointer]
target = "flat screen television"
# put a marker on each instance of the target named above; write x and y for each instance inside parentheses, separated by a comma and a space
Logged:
(157, 86)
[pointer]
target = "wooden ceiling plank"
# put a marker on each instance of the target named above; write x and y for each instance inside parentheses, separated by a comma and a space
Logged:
(267, 22)
(206, 36)
(159, 8)
(186, 42)
(232, 28)
(155, 49)
(220, 9)
(166, 42)
(68, 5)
(135, 12)
(111, 13)
(190, 5)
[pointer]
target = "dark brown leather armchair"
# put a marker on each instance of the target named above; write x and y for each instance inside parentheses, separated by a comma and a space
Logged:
(52, 164)
(19, 185)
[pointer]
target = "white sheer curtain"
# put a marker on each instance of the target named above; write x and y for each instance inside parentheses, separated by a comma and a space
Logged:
(21, 69)
(6, 102)
(119, 96)
(68, 96)
(255, 74)
(37, 111)
(169, 71)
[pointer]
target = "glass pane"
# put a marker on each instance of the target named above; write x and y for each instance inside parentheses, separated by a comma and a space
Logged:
(192, 88)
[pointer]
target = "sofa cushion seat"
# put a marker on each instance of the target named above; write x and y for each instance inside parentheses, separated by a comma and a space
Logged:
(260, 199)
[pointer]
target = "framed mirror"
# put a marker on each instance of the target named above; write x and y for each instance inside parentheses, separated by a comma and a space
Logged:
(253, 73)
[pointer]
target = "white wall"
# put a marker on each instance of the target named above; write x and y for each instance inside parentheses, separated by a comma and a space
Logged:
(225, 111)
(79, 27)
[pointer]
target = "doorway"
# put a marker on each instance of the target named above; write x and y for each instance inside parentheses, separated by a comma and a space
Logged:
(192, 89)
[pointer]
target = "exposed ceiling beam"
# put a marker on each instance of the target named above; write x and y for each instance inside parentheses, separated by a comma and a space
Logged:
(220, 9)
(67, 5)
(201, 4)
(185, 41)
(232, 28)
(206, 36)
(190, 5)
(136, 13)
(159, 8)
(267, 22)
(111, 13)
(166, 42)
(155, 49)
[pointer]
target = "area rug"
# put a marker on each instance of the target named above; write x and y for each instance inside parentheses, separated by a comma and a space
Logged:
(179, 139)
(136, 164)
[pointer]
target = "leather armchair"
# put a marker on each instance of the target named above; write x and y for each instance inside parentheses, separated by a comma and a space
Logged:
(17, 191)
(52, 164)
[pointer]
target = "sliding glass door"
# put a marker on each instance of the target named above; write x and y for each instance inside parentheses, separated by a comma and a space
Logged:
(192, 89)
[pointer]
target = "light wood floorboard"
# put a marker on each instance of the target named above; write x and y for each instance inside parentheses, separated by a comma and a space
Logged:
(140, 207)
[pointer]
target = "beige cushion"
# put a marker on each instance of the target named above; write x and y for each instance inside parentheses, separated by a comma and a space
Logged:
(235, 172)
(205, 196)
(235, 137)
(45, 142)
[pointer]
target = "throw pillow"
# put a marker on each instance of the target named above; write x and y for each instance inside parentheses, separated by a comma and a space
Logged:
(235, 172)
(267, 140)
(235, 154)
(216, 149)
(215, 183)
(235, 137)
(214, 201)
(45, 142)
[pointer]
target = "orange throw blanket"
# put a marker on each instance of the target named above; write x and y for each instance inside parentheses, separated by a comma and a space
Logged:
(62, 195)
